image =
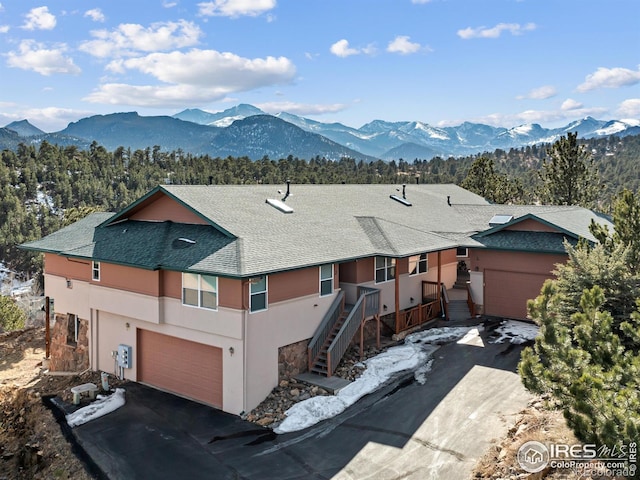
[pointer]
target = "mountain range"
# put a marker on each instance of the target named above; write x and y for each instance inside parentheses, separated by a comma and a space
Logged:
(245, 130)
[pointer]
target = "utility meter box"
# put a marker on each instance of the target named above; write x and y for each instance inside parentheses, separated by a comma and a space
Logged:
(125, 358)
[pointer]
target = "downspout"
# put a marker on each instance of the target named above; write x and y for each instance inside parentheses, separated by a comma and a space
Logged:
(245, 307)
(439, 288)
(397, 285)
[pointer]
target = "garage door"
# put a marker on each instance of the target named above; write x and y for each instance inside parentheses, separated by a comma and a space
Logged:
(506, 293)
(179, 366)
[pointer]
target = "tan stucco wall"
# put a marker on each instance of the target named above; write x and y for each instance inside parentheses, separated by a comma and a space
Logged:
(281, 324)
(113, 330)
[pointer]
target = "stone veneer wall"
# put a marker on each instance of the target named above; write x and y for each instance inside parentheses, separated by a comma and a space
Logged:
(292, 359)
(65, 354)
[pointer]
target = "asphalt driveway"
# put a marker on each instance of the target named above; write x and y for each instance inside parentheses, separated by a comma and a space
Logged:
(404, 430)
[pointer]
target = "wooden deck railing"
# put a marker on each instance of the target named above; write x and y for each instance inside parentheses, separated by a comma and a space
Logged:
(368, 304)
(413, 317)
(322, 332)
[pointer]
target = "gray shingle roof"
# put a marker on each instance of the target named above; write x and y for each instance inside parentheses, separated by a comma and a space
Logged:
(330, 223)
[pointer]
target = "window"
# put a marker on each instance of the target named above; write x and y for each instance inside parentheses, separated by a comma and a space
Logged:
(258, 294)
(326, 280)
(385, 269)
(462, 252)
(418, 264)
(200, 290)
(95, 271)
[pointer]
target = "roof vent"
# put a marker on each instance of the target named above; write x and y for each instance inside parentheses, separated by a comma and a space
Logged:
(500, 220)
(403, 200)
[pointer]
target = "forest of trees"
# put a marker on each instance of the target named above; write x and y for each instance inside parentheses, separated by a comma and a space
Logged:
(42, 187)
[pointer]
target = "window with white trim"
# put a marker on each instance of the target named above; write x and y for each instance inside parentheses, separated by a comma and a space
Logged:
(95, 271)
(200, 290)
(462, 252)
(418, 264)
(326, 279)
(258, 294)
(385, 269)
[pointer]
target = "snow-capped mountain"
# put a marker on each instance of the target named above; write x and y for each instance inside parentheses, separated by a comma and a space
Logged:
(197, 131)
(393, 140)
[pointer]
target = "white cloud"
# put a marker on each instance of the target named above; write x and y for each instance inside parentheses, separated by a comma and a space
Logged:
(609, 78)
(192, 78)
(540, 116)
(301, 108)
(420, 2)
(129, 38)
(95, 14)
(629, 108)
(495, 32)
(570, 104)
(402, 45)
(342, 49)
(39, 19)
(540, 93)
(45, 61)
(166, 4)
(235, 8)
(4, 28)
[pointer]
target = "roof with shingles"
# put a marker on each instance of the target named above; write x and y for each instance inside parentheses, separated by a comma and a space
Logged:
(330, 223)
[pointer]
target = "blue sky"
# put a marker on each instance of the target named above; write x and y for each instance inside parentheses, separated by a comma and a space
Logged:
(499, 62)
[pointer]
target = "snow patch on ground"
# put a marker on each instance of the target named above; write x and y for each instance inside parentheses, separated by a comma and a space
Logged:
(516, 332)
(105, 404)
(414, 355)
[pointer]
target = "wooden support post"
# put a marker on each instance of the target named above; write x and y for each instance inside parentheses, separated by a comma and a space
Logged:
(378, 330)
(439, 287)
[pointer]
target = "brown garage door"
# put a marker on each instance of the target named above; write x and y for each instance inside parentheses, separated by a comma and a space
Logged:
(187, 368)
(506, 293)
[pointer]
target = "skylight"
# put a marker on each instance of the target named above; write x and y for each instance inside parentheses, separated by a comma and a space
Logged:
(403, 201)
(500, 220)
(279, 205)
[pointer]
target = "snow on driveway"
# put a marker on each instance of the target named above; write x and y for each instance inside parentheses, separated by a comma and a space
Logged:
(516, 332)
(102, 406)
(414, 354)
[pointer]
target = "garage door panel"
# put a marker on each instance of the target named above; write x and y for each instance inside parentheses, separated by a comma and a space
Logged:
(187, 368)
(506, 293)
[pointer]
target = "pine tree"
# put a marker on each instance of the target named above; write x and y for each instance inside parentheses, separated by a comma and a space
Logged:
(588, 352)
(569, 176)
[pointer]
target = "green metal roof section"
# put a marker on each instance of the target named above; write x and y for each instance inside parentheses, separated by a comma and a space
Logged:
(329, 224)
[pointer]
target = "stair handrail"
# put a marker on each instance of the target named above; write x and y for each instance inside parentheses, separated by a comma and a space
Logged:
(470, 302)
(335, 352)
(445, 301)
(323, 330)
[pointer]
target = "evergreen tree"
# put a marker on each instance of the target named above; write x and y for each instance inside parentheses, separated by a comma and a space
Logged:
(483, 179)
(11, 316)
(588, 352)
(569, 176)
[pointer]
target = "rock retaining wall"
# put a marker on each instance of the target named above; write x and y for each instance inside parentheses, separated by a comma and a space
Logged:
(67, 355)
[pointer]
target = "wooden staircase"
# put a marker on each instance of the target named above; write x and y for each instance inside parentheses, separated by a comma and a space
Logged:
(319, 366)
(337, 329)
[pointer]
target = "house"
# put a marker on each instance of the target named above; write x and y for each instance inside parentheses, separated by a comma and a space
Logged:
(212, 292)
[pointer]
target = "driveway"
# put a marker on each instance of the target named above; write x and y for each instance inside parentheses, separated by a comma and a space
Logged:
(404, 430)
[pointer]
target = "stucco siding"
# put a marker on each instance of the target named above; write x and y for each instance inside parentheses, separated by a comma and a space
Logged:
(73, 268)
(164, 208)
(113, 330)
